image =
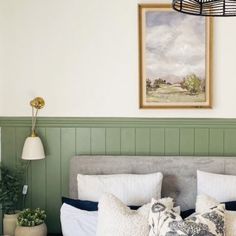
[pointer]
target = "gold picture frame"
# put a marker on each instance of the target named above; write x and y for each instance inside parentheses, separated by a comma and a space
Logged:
(175, 58)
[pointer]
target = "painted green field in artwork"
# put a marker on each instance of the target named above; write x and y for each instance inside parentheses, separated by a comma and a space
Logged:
(173, 93)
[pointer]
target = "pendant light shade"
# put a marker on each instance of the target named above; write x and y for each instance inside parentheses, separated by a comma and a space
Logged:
(206, 7)
(33, 149)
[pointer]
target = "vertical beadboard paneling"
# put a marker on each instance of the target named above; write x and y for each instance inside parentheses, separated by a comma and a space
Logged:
(8, 146)
(21, 134)
(186, 141)
(67, 151)
(48, 179)
(157, 141)
(98, 141)
(142, 143)
(172, 141)
(83, 141)
(201, 142)
(113, 138)
(230, 142)
(53, 183)
(39, 177)
(127, 141)
(28, 197)
(216, 145)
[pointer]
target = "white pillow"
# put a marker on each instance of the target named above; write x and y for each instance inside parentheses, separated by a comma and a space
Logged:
(220, 187)
(116, 219)
(76, 222)
(131, 189)
(205, 202)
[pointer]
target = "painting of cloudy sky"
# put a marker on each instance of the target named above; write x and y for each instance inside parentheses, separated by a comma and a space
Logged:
(175, 45)
(174, 63)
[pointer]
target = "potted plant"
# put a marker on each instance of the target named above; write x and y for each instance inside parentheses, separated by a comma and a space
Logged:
(10, 192)
(31, 223)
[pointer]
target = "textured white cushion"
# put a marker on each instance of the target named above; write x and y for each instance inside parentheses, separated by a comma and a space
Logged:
(131, 189)
(165, 221)
(205, 202)
(76, 222)
(220, 187)
(116, 219)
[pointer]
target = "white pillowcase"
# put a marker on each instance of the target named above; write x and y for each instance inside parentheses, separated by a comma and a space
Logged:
(205, 202)
(116, 219)
(220, 187)
(131, 189)
(76, 222)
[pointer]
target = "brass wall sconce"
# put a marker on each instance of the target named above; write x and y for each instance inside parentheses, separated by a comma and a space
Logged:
(33, 147)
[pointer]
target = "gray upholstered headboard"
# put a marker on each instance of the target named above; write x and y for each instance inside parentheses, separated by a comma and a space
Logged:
(179, 172)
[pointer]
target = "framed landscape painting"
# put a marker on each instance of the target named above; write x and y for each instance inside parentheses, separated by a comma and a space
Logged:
(175, 58)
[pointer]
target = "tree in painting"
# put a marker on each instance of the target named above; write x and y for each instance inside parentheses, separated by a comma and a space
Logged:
(192, 83)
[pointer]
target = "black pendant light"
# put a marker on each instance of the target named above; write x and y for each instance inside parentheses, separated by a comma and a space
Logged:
(206, 7)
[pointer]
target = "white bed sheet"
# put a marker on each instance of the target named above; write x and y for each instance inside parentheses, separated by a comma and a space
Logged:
(76, 222)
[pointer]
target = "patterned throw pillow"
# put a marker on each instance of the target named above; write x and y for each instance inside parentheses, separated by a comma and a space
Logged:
(164, 221)
(205, 202)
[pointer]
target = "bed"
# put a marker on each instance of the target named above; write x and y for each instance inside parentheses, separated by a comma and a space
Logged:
(179, 182)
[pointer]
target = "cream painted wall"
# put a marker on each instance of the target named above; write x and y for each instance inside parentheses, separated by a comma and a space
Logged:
(82, 57)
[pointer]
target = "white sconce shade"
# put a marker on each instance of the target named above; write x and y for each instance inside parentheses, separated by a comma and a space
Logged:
(33, 149)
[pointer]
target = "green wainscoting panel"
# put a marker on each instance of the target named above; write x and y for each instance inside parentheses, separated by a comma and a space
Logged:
(172, 141)
(67, 151)
(53, 177)
(21, 133)
(98, 141)
(216, 145)
(201, 142)
(39, 177)
(128, 141)
(113, 137)
(187, 141)
(9, 146)
(83, 141)
(157, 141)
(142, 141)
(230, 142)
(63, 138)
